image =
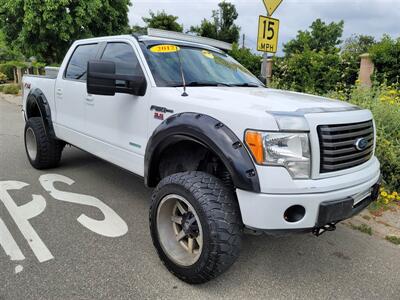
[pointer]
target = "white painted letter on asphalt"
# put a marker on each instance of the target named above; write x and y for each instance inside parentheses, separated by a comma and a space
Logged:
(9, 244)
(21, 215)
(111, 226)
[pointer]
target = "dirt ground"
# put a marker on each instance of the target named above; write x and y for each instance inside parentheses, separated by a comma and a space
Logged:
(382, 225)
(12, 98)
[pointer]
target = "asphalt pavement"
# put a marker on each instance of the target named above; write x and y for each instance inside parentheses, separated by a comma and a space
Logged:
(98, 246)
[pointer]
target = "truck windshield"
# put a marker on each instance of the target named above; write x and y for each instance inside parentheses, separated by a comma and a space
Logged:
(200, 67)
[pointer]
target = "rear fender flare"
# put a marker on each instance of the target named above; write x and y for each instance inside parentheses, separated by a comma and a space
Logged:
(38, 99)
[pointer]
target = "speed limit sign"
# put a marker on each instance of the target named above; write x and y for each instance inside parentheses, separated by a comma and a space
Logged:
(268, 30)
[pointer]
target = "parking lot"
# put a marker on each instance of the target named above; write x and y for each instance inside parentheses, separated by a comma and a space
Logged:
(81, 231)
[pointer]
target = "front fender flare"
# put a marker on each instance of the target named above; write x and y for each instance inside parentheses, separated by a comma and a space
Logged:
(209, 132)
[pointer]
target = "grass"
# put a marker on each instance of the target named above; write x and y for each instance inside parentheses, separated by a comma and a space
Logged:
(377, 208)
(12, 89)
(393, 239)
(363, 228)
(366, 217)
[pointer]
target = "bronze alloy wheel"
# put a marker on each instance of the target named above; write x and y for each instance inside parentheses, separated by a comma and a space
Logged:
(179, 229)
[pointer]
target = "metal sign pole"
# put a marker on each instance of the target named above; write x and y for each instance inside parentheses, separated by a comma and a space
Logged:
(265, 63)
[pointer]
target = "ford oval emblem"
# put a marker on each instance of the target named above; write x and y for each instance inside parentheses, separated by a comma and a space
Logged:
(361, 144)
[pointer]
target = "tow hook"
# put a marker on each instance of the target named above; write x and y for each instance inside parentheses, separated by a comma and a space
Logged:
(317, 231)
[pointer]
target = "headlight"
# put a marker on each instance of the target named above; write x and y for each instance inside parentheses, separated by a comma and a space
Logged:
(289, 150)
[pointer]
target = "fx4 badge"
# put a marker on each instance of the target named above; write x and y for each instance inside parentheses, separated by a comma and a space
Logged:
(160, 111)
(159, 116)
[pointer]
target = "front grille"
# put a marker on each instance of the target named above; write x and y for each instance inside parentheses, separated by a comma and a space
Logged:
(338, 149)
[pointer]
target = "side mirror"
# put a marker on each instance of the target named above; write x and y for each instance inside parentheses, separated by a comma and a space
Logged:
(102, 80)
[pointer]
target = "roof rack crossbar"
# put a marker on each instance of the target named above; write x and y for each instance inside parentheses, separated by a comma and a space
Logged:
(188, 38)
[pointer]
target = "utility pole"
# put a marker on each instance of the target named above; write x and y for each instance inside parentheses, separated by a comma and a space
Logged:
(244, 41)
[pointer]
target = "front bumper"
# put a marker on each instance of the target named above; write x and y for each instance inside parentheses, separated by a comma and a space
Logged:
(267, 211)
(338, 210)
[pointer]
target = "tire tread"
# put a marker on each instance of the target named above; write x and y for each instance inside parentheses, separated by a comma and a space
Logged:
(223, 217)
(49, 150)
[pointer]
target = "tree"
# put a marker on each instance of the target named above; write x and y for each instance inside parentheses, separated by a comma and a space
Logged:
(222, 26)
(311, 72)
(248, 59)
(321, 37)
(312, 62)
(162, 20)
(386, 57)
(352, 48)
(111, 18)
(358, 44)
(138, 29)
(6, 52)
(46, 28)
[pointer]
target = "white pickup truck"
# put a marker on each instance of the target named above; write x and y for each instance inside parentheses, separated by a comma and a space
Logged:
(225, 154)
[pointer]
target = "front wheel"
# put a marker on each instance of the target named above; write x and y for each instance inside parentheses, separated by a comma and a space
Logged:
(195, 226)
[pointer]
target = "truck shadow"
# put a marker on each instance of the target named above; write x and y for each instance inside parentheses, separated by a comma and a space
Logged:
(305, 262)
(290, 261)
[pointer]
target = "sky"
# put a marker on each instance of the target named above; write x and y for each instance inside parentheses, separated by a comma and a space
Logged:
(372, 17)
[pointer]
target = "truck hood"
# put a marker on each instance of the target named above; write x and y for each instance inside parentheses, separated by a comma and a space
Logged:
(265, 99)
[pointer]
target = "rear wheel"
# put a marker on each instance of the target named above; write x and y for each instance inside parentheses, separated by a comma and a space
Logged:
(195, 226)
(43, 151)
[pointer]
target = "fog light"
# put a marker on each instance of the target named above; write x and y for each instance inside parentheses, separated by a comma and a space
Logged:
(294, 213)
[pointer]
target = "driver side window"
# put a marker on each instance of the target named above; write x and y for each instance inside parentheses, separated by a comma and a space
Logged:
(125, 59)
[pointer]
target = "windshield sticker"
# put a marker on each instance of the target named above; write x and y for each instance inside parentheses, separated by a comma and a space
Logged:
(165, 49)
(208, 54)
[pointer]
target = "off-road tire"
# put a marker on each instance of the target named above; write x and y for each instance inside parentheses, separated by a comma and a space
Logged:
(48, 153)
(219, 214)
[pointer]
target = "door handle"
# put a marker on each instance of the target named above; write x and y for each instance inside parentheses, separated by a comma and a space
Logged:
(89, 99)
(59, 92)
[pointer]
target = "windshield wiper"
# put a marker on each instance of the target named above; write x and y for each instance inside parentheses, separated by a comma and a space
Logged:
(246, 85)
(214, 83)
(200, 83)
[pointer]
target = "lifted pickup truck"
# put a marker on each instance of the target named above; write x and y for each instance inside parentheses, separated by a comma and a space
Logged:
(225, 154)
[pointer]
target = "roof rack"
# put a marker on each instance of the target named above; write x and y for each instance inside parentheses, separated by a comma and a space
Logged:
(188, 38)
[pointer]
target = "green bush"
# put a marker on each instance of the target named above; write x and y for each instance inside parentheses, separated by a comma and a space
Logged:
(386, 57)
(12, 89)
(3, 78)
(7, 69)
(309, 71)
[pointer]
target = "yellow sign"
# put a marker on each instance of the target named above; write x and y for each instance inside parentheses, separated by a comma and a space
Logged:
(272, 5)
(164, 49)
(208, 54)
(268, 30)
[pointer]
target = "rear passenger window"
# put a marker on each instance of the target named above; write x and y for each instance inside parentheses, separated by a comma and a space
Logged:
(77, 66)
(126, 62)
